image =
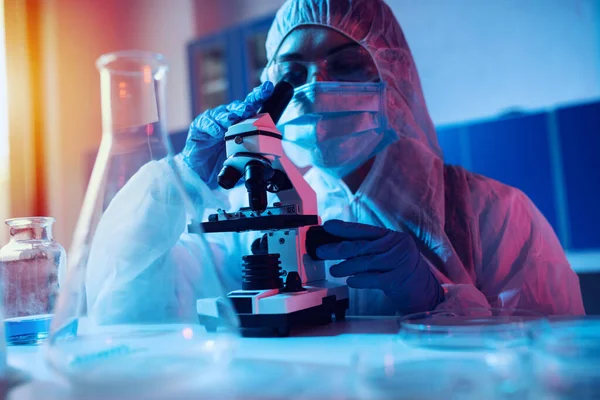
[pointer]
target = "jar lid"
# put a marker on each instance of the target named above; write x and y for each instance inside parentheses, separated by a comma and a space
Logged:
(25, 221)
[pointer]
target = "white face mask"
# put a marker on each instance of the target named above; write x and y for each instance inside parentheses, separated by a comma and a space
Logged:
(335, 126)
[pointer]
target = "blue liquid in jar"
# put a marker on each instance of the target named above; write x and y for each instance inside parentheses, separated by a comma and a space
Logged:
(32, 329)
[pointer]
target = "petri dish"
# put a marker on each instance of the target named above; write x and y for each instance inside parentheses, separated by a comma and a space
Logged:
(470, 328)
(460, 375)
(474, 353)
(565, 359)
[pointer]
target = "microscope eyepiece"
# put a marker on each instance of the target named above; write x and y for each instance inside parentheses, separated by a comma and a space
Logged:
(279, 100)
(228, 177)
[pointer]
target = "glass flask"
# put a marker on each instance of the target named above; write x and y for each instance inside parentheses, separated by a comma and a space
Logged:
(566, 359)
(126, 318)
(30, 263)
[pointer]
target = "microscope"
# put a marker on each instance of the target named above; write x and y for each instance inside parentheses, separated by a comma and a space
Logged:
(290, 229)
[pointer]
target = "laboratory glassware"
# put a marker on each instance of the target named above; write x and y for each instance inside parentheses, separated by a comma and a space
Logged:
(126, 317)
(30, 263)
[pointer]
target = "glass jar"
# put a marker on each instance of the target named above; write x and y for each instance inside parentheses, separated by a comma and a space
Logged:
(30, 263)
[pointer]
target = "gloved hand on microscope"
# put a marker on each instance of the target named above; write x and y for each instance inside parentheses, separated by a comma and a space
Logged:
(204, 150)
(378, 258)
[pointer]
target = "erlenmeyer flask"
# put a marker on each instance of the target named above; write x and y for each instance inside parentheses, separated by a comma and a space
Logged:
(126, 314)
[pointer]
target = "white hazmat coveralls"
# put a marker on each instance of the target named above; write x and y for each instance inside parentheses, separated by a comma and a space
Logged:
(486, 242)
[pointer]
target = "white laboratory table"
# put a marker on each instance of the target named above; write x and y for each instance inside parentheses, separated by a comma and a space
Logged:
(333, 349)
(326, 362)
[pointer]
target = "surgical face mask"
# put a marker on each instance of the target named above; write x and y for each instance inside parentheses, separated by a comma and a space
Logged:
(335, 126)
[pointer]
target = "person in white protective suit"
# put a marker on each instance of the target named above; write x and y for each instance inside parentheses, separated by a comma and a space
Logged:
(419, 234)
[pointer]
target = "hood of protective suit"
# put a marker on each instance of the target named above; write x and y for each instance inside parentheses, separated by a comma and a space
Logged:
(415, 159)
(372, 24)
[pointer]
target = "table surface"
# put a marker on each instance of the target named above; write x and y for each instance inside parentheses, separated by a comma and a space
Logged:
(300, 345)
(333, 345)
(312, 363)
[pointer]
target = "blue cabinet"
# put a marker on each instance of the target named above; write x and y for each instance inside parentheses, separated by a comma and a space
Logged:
(254, 56)
(454, 143)
(212, 77)
(226, 66)
(579, 138)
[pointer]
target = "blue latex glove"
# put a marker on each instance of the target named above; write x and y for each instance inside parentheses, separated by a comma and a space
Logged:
(204, 150)
(378, 258)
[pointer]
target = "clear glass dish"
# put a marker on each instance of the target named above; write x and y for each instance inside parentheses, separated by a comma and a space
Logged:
(471, 328)
(474, 353)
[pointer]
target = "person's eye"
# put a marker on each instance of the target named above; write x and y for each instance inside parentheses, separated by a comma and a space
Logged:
(292, 72)
(349, 69)
(346, 65)
(354, 66)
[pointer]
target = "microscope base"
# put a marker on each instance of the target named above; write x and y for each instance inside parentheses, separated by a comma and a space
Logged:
(271, 313)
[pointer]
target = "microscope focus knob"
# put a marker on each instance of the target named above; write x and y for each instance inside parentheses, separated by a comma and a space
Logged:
(293, 283)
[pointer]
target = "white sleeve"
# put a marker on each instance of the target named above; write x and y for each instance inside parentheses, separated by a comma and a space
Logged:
(143, 265)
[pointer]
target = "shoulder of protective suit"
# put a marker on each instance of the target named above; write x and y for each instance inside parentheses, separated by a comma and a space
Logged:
(492, 205)
(488, 193)
(503, 211)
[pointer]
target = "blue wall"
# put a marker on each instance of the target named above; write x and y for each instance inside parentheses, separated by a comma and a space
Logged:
(479, 58)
